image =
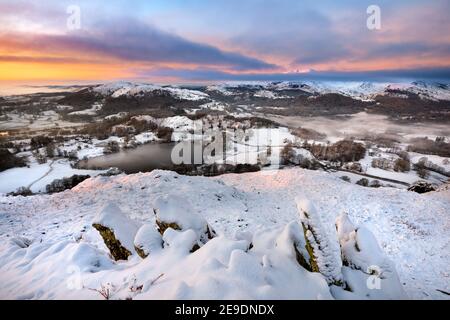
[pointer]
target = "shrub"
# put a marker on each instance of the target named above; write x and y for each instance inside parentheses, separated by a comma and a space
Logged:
(402, 165)
(112, 147)
(346, 178)
(375, 184)
(50, 150)
(40, 141)
(142, 125)
(342, 151)
(363, 182)
(22, 191)
(382, 163)
(286, 154)
(164, 133)
(308, 134)
(421, 169)
(40, 158)
(427, 146)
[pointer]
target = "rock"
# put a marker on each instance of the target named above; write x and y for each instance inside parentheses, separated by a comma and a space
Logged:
(353, 166)
(422, 187)
(363, 182)
(174, 212)
(365, 266)
(147, 240)
(21, 242)
(323, 253)
(111, 172)
(117, 231)
(375, 184)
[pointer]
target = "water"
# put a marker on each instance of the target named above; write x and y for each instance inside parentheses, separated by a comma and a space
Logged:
(144, 158)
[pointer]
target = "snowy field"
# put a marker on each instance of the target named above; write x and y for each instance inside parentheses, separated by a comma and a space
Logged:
(49, 249)
(38, 176)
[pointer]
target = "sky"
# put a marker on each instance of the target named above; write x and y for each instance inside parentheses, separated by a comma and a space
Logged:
(214, 40)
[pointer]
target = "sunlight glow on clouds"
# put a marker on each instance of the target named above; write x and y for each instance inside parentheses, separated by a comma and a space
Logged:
(218, 39)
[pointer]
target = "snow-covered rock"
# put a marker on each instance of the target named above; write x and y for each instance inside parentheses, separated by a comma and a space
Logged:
(117, 231)
(174, 212)
(323, 253)
(368, 273)
(148, 240)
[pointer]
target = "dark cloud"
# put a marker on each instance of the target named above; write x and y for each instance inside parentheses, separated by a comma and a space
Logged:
(437, 74)
(129, 40)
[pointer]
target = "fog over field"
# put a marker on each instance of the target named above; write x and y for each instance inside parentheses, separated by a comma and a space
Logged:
(363, 124)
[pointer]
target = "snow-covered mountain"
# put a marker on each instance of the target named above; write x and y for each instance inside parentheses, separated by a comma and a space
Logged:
(361, 90)
(49, 248)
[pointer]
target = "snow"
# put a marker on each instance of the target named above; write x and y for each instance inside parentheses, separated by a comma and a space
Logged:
(145, 137)
(214, 105)
(360, 90)
(30, 122)
(148, 239)
(67, 258)
(124, 229)
(118, 115)
(176, 209)
(88, 112)
(363, 256)
(38, 176)
(269, 95)
(326, 252)
(118, 89)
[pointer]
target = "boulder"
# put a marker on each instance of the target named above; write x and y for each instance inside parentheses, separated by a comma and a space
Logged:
(174, 212)
(422, 187)
(117, 231)
(148, 240)
(323, 253)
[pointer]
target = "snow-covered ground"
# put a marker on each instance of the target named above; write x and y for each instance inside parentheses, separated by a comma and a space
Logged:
(92, 111)
(46, 120)
(48, 248)
(38, 176)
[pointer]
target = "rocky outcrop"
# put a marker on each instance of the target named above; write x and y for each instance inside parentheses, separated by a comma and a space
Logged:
(422, 187)
(323, 255)
(117, 231)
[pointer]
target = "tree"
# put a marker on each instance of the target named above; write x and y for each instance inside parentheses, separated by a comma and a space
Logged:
(50, 150)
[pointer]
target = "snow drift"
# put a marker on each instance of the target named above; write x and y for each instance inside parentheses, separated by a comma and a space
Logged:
(269, 229)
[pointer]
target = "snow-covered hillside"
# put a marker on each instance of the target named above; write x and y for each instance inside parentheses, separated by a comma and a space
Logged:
(118, 89)
(49, 248)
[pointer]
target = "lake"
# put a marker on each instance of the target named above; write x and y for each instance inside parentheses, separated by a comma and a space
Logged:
(143, 158)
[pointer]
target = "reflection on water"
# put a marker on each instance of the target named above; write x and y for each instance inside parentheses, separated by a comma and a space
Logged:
(144, 158)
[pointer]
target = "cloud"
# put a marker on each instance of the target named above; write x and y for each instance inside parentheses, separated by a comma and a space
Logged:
(437, 74)
(129, 40)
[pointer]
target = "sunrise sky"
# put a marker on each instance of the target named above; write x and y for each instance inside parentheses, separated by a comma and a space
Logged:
(199, 40)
